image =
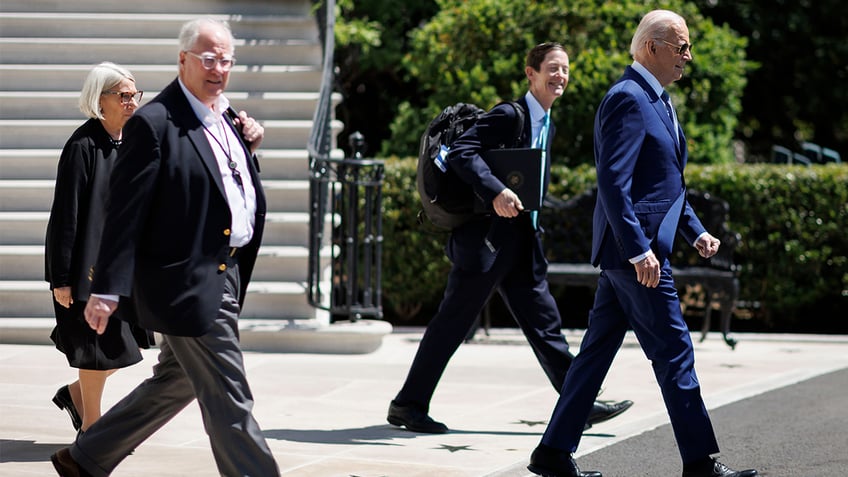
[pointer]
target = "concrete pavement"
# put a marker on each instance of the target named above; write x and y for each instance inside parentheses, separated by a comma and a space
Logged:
(324, 414)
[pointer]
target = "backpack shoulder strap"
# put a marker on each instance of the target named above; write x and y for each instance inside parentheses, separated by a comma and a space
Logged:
(519, 121)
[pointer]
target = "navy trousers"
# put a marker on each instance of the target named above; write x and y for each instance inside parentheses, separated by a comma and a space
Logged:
(528, 300)
(655, 317)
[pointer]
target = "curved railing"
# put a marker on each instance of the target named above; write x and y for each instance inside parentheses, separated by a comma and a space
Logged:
(345, 220)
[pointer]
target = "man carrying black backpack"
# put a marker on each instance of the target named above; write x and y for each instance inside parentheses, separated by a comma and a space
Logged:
(500, 251)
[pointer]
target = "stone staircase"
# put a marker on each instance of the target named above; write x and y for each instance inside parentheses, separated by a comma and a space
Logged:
(46, 49)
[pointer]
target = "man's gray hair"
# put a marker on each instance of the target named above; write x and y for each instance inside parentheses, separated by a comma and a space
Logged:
(191, 30)
(654, 25)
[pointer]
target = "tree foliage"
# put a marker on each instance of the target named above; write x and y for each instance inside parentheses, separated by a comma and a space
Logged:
(798, 91)
(371, 39)
(473, 51)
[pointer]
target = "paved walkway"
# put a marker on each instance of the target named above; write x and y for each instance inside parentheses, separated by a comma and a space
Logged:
(324, 415)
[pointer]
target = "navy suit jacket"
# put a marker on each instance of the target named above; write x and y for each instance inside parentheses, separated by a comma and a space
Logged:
(641, 191)
(166, 238)
(475, 245)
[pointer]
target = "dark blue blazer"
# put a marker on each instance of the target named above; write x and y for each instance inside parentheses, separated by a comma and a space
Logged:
(166, 238)
(475, 245)
(641, 191)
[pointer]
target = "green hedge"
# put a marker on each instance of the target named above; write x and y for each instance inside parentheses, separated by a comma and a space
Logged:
(793, 256)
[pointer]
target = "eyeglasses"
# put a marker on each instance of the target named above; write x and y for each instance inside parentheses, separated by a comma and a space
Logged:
(679, 49)
(208, 60)
(126, 96)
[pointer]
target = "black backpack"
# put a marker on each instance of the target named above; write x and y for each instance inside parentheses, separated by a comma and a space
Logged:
(447, 200)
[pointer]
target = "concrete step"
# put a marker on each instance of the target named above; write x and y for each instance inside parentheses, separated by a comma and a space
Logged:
(29, 163)
(69, 77)
(21, 262)
(26, 196)
(37, 195)
(65, 104)
(195, 8)
(283, 163)
(23, 228)
(281, 228)
(54, 133)
(149, 25)
(287, 196)
(275, 263)
(41, 163)
(286, 229)
(265, 300)
(150, 51)
(276, 300)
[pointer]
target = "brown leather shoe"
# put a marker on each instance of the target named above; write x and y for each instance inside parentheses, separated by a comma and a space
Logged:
(66, 466)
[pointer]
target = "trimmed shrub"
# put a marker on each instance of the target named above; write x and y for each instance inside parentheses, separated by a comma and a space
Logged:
(793, 257)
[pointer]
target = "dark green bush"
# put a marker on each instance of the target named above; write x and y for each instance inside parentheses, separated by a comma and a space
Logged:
(414, 264)
(793, 256)
(794, 253)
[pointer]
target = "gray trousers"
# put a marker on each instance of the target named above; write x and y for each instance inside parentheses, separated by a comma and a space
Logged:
(209, 368)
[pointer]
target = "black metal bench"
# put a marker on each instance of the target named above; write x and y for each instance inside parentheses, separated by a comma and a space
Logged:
(568, 244)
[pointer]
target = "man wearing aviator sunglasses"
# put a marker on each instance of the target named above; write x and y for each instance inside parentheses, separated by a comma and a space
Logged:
(679, 49)
(640, 156)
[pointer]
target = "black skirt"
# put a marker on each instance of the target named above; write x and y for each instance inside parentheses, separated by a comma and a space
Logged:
(117, 347)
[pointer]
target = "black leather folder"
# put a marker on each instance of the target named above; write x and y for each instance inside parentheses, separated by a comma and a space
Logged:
(521, 171)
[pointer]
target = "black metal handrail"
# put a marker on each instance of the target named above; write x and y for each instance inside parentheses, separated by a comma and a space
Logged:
(345, 201)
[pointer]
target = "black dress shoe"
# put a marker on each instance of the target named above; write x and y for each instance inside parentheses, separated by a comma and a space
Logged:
(602, 411)
(714, 468)
(62, 400)
(66, 466)
(414, 419)
(550, 462)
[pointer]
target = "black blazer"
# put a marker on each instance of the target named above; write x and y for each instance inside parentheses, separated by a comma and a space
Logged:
(475, 244)
(166, 238)
(76, 216)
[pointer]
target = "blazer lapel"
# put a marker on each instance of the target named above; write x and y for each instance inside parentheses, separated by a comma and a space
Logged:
(659, 106)
(185, 118)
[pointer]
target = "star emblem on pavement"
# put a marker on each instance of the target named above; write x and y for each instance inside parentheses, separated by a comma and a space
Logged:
(531, 423)
(453, 449)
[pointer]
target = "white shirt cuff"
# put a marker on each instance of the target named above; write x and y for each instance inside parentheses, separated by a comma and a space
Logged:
(104, 296)
(640, 257)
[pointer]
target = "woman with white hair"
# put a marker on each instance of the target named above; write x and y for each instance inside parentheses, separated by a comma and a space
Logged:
(109, 97)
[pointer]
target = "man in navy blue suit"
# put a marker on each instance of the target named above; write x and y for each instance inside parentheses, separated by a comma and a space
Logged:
(640, 154)
(500, 251)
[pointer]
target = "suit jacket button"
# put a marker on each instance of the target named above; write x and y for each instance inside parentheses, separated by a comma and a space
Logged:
(222, 267)
(227, 232)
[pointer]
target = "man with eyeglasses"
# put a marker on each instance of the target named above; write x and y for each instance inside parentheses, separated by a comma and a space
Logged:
(181, 235)
(640, 154)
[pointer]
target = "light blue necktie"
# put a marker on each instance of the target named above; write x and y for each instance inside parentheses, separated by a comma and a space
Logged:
(541, 143)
